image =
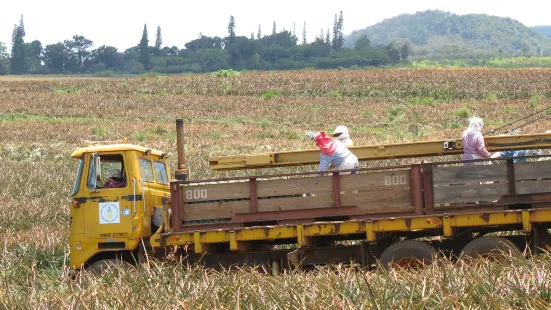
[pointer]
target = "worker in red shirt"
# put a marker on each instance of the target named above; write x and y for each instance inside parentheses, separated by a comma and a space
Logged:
(114, 179)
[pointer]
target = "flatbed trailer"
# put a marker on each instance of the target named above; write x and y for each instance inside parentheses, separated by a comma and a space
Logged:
(378, 207)
(393, 214)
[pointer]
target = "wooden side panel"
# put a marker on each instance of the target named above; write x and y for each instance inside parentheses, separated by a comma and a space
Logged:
(469, 193)
(321, 200)
(469, 174)
(388, 191)
(461, 185)
(214, 210)
(533, 170)
(533, 186)
(533, 177)
(295, 186)
(221, 191)
(217, 201)
(310, 193)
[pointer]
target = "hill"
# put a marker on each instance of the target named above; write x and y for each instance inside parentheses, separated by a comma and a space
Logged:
(545, 30)
(435, 32)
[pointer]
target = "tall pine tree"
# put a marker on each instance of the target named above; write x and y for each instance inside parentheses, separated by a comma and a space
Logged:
(144, 48)
(17, 60)
(158, 39)
(304, 34)
(340, 41)
(328, 37)
(338, 38)
(259, 33)
(274, 29)
(231, 28)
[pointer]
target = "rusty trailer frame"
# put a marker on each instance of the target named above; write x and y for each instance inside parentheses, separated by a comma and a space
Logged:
(517, 196)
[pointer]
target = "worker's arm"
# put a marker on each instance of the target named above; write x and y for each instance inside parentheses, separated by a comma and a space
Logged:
(325, 161)
(481, 147)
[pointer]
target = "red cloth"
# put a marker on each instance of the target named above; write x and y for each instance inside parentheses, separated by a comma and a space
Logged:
(327, 145)
(114, 184)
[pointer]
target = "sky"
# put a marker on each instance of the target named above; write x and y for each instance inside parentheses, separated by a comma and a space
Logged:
(120, 23)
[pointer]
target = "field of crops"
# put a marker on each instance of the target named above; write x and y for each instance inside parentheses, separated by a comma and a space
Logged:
(43, 120)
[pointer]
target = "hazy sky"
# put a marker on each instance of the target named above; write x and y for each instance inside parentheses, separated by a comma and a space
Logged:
(120, 22)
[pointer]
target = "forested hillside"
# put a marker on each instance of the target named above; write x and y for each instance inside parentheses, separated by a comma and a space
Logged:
(545, 30)
(444, 33)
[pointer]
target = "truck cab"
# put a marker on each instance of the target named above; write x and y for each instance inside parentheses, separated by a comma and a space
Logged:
(110, 221)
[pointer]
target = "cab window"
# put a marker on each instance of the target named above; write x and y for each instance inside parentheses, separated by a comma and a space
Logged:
(106, 171)
(160, 172)
(145, 170)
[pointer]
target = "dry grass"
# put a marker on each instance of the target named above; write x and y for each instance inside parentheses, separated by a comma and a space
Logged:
(43, 121)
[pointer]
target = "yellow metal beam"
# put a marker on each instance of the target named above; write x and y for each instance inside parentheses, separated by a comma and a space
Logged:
(526, 224)
(378, 152)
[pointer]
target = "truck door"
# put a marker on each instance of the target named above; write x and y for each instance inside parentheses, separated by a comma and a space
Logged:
(108, 208)
(146, 181)
(154, 185)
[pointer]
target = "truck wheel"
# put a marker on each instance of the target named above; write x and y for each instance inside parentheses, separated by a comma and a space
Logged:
(408, 254)
(106, 265)
(492, 247)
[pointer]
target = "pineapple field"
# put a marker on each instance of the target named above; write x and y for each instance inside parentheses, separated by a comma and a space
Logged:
(43, 121)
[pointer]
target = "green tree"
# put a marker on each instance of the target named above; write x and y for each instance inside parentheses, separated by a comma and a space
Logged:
(363, 43)
(340, 41)
(33, 57)
(259, 33)
(231, 29)
(328, 37)
(4, 59)
(338, 37)
(108, 57)
(392, 52)
(204, 42)
(17, 60)
(212, 59)
(405, 50)
(335, 33)
(321, 38)
(79, 46)
(144, 48)
(304, 34)
(158, 39)
(274, 29)
(56, 57)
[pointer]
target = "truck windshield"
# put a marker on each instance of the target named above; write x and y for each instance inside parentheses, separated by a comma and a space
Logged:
(78, 177)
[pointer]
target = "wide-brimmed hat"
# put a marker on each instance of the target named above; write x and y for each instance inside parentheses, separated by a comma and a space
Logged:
(340, 130)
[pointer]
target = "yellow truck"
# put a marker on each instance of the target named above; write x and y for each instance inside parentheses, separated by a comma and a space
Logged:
(398, 215)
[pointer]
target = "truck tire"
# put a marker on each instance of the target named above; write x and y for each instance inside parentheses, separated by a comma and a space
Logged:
(491, 247)
(408, 254)
(106, 265)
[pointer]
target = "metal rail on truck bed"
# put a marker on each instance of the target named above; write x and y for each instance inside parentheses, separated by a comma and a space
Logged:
(378, 152)
(439, 199)
(371, 230)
